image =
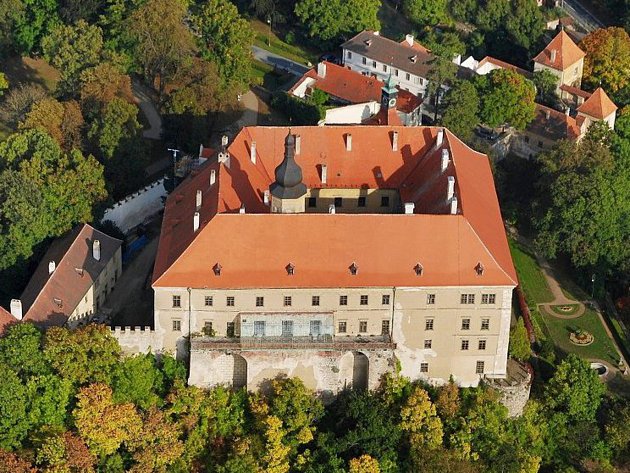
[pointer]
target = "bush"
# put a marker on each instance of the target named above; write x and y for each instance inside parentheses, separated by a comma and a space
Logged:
(297, 111)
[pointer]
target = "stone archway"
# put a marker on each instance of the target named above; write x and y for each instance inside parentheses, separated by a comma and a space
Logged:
(239, 372)
(360, 371)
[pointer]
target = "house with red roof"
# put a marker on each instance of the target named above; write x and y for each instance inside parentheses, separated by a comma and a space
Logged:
(360, 97)
(564, 59)
(334, 254)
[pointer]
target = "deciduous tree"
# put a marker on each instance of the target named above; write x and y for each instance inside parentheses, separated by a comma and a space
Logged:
(32, 22)
(18, 102)
(447, 401)
(101, 84)
(137, 380)
(420, 421)
(461, 108)
(607, 56)
(12, 463)
(14, 419)
(20, 350)
(425, 12)
(157, 446)
(519, 341)
(63, 121)
(117, 123)
(364, 464)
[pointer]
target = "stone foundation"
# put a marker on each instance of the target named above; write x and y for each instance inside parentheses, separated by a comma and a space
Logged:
(515, 388)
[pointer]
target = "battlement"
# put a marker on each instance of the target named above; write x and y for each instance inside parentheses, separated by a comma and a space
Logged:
(133, 340)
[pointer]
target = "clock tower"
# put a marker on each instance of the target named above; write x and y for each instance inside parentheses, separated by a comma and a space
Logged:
(389, 94)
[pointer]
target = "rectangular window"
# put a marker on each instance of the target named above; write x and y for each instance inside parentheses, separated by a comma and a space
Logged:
(362, 326)
(465, 324)
(430, 299)
(385, 299)
(177, 325)
(396, 72)
(482, 345)
(428, 344)
(287, 328)
(229, 331)
(207, 329)
(408, 76)
(177, 301)
(385, 201)
(364, 300)
(488, 298)
(315, 300)
(208, 301)
(424, 367)
(349, 55)
(260, 301)
(287, 301)
(465, 344)
(338, 202)
(384, 67)
(385, 327)
(479, 367)
(259, 328)
(229, 301)
(417, 80)
(315, 328)
(374, 64)
(343, 326)
(312, 202)
(428, 324)
(467, 299)
(361, 202)
(485, 324)
(364, 60)
(343, 300)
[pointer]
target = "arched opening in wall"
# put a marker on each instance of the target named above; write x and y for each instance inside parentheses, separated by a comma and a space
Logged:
(360, 371)
(239, 373)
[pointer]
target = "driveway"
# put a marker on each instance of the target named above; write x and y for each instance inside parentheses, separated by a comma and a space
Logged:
(142, 97)
(278, 61)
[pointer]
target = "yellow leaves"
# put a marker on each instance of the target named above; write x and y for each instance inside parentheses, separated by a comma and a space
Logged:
(364, 464)
(276, 456)
(420, 420)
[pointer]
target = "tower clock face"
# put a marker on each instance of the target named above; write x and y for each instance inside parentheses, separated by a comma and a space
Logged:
(392, 102)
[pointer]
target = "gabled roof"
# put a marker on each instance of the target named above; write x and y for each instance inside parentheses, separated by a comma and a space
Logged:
(554, 125)
(567, 52)
(575, 91)
(49, 299)
(598, 105)
(6, 319)
(353, 87)
(417, 46)
(504, 65)
(254, 248)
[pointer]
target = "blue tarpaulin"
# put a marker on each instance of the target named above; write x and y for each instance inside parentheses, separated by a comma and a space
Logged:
(134, 247)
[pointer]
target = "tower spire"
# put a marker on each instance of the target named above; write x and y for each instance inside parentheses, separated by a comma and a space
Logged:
(288, 185)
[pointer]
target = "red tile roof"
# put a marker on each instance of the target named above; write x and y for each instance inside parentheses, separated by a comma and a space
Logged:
(353, 87)
(75, 272)
(575, 91)
(504, 65)
(555, 125)
(598, 105)
(417, 46)
(254, 248)
(6, 319)
(567, 53)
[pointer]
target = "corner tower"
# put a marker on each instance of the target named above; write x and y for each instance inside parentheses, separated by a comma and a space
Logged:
(288, 190)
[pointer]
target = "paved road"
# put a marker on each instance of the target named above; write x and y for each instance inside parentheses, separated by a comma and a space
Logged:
(584, 17)
(278, 61)
(142, 96)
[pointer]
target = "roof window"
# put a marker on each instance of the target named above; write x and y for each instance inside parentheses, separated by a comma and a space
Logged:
(354, 268)
(217, 269)
(479, 269)
(413, 58)
(418, 269)
(290, 269)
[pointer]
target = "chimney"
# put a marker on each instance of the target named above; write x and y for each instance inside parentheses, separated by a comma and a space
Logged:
(242, 209)
(450, 192)
(266, 197)
(225, 159)
(96, 250)
(440, 138)
(196, 222)
(454, 206)
(567, 112)
(331, 209)
(348, 142)
(445, 160)
(547, 114)
(201, 150)
(51, 267)
(395, 141)
(16, 308)
(224, 141)
(199, 198)
(554, 53)
(409, 207)
(321, 69)
(324, 173)
(409, 39)
(252, 152)
(213, 177)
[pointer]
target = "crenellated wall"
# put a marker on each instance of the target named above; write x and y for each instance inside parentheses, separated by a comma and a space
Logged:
(133, 340)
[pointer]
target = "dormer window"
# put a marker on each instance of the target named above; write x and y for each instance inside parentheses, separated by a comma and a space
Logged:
(354, 269)
(217, 269)
(290, 269)
(58, 302)
(413, 58)
(418, 269)
(479, 269)
(368, 42)
(79, 271)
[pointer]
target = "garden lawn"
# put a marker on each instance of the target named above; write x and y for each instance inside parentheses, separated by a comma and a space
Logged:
(530, 276)
(559, 329)
(277, 46)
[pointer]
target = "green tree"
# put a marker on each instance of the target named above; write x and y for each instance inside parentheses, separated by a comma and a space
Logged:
(441, 74)
(335, 20)
(63, 121)
(227, 39)
(14, 418)
(447, 402)
(87, 354)
(157, 445)
(10, 11)
(461, 108)
(575, 390)
(72, 49)
(506, 98)
(607, 56)
(546, 84)
(4, 84)
(137, 380)
(425, 12)
(491, 15)
(117, 123)
(162, 40)
(519, 347)
(56, 190)
(463, 10)
(195, 89)
(101, 84)
(49, 397)
(420, 421)
(364, 464)
(20, 350)
(524, 23)
(32, 22)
